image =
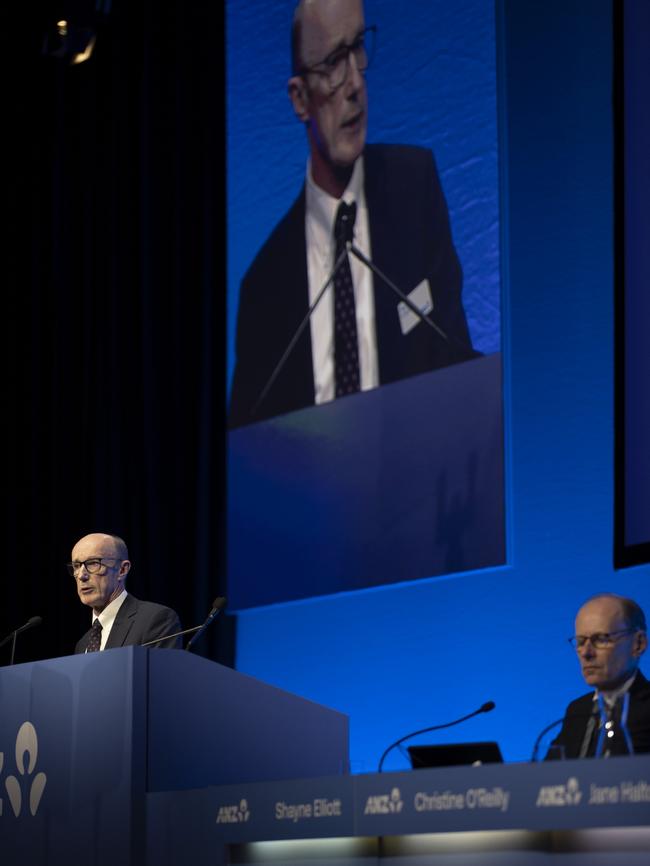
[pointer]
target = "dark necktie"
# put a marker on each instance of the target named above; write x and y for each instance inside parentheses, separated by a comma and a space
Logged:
(94, 642)
(346, 343)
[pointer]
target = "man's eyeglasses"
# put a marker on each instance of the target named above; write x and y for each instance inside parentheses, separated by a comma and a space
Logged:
(600, 640)
(334, 68)
(92, 566)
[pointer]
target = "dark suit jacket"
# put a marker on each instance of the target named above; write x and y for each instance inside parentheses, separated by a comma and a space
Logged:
(411, 240)
(138, 622)
(577, 716)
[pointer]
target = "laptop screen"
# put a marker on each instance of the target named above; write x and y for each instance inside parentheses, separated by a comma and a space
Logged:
(454, 754)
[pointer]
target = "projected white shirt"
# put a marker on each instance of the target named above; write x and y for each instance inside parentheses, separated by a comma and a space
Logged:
(320, 213)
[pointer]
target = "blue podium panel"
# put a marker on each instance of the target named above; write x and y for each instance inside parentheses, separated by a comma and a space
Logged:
(210, 725)
(72, 760)
(401, 482)
(83, 738)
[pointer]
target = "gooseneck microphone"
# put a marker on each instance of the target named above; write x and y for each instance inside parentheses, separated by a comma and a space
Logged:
(486, 708)
(540, 736)
(170, 636)
(217, 606)
(31, 622)
(590, 721)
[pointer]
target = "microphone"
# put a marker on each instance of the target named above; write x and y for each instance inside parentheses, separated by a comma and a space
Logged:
(467, 353)
(31, 622)
(170, 636)
(348, 229)
(217, 606)
(548, 728)
(591, 718)
(486, 708)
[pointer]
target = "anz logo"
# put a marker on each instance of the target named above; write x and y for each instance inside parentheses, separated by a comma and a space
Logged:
(560, 795)
(238, 814)
(384, 804)
(26, 789)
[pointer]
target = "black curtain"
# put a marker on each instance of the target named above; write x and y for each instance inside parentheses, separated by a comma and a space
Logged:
(114, 337)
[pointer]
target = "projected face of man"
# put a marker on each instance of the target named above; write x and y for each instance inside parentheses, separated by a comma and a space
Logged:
(607, 667)
(336, 119)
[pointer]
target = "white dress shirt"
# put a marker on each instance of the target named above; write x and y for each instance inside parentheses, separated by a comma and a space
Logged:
(320, 215)
(107, 616)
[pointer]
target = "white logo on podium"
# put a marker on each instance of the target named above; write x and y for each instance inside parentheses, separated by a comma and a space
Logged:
(384, 804)
(234, 814)
(560, 795)
(26, 755)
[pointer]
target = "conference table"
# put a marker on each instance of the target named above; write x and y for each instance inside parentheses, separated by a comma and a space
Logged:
(560, 812)
(139, 757)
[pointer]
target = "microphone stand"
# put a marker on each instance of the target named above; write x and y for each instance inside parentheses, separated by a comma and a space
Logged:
(484, 709)
(12, 634)
(34, 621)
(170, 636)
(541, 734)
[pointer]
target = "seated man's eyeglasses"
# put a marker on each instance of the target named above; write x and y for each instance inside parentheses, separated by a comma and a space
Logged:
(334, 68)
(92, 566)
(600, 640)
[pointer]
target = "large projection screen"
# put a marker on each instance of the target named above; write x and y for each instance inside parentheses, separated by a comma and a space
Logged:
(404, 480)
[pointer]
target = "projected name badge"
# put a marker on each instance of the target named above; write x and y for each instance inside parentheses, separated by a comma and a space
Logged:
(421, 297)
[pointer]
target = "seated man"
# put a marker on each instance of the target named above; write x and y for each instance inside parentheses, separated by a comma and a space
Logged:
(610, 638)
(100, 564)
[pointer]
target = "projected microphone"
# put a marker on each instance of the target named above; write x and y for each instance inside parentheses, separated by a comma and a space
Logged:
(486, 708)
(424, 317)
(217, 606)
(348, 228)
(33, 621)
(301, 327)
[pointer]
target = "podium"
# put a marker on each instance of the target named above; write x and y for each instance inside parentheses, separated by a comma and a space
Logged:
(396, 483)
(84, 739)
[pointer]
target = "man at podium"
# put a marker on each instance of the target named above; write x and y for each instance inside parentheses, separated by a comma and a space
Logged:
(389, 201)
(100, 564)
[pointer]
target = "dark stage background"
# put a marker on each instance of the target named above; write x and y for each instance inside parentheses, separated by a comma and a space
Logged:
(113, 368)
(113, 374)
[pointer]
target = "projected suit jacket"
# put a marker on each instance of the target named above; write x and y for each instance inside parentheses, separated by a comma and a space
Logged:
(136, 623)
(577, 715)
(410, 240)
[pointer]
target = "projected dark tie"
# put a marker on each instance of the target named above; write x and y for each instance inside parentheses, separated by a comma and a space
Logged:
(95, 637)
(346, 343)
